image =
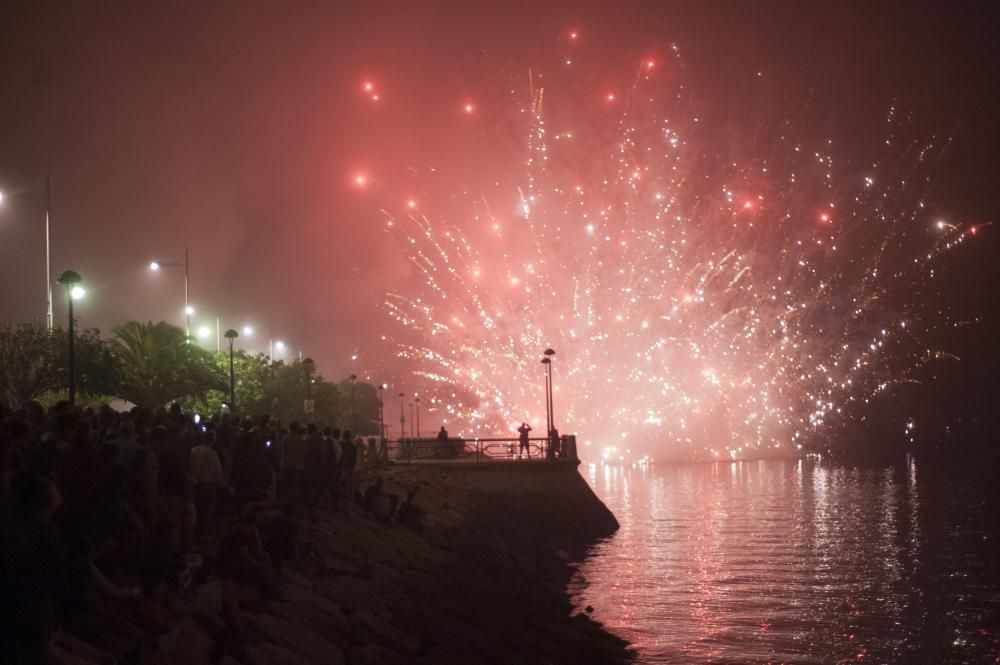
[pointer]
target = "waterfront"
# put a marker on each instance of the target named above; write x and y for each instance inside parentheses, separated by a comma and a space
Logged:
(798, 562)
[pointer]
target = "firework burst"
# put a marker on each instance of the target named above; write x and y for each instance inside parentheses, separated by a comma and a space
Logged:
(699, 300)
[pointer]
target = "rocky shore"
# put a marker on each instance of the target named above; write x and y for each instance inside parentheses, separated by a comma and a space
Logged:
(482, 581)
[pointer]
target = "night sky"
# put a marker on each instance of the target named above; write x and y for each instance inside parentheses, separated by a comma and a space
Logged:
(237, 129)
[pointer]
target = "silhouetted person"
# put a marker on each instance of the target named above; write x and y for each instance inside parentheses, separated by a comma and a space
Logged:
(442, 442)
(293, 462)
(32, 569)
(550, 451)
(523, 447)
(348, 461)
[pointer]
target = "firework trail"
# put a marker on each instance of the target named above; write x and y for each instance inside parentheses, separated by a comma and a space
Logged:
(699, 303)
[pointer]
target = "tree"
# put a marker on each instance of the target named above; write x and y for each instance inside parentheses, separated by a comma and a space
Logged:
(285, 394)
(252, 375)
(159, 364)
(366, 407)
(33, 363)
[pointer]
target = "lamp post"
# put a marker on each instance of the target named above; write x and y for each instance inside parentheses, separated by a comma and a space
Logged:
(273, 344)
(188, 310)
(71, 280)
(548, 417)
(402, 418)
(417, 401)
(411, 420)
(309, 366)
(354, 425)
(381, 411)
(48, 253)
(549, 353)
(231, 335)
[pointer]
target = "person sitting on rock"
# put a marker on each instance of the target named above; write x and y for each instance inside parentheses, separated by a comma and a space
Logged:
(242, 558)
(280, 539)
(409, 511)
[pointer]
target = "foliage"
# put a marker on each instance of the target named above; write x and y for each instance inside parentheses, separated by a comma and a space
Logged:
(34, 362)
(366, 407)
(286, 392)
(160, 365)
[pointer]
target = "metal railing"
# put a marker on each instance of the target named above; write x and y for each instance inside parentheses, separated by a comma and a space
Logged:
(480, 449)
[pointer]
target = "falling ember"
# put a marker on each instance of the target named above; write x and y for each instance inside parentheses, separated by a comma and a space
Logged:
(673, 324)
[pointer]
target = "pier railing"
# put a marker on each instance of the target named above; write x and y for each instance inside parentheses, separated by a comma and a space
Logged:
(480, 449)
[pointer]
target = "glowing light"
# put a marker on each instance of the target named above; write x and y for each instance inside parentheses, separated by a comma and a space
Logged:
(77, 292)
(189, 310)
(247, 330)
(720, 331)
(204, 331)
(368, 86)
(360, 180)
(574, 35)
(411, 204)
(154, 266)
(279, 346)
(469, 107)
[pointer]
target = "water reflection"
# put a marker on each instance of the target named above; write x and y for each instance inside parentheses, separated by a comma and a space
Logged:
(796, 562)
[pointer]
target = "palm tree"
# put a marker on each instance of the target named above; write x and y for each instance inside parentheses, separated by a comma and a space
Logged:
(159, 364)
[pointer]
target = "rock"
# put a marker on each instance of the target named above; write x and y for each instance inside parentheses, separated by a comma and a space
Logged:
(373, 654)
(190, 643)
(294, 637)
(365, 627)
(352, 594)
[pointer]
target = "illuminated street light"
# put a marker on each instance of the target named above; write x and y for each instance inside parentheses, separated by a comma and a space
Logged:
(247, 330)
(155, 266)
(204, 332)
(232, 335)
(71, 280)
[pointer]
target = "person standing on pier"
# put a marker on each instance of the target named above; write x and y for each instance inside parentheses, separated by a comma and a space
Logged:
(523, 447)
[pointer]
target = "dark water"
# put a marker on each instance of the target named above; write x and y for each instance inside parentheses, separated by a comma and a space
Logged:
(799, 562)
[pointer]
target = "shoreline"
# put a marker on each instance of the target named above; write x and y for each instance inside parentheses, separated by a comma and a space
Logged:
(484, 580)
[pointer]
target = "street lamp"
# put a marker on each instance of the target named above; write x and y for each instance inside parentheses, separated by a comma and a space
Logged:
(48, 252)
(402, 418)
(381, 411)
(552, 397)
(188, 310)
(417, 402)
(411, 420)
(354, 428)
(247, 330)
(71, 280)
(308, 365)
(548, 414)
(231, 335)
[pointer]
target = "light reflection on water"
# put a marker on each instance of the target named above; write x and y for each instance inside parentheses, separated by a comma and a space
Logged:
(797, 562)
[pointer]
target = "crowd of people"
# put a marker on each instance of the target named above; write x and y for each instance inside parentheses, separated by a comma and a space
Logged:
(120, 519)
